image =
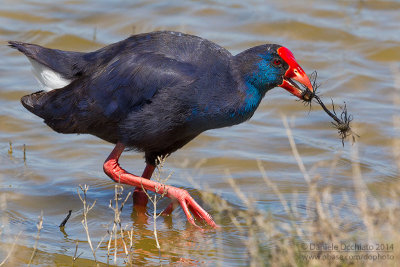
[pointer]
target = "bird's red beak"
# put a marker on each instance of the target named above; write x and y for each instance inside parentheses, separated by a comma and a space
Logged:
(295, 72)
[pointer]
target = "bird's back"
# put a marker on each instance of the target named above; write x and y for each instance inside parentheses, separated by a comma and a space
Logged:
(151, 83)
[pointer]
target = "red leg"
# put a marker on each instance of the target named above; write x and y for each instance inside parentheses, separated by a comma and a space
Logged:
(114, 171)
(139, 197)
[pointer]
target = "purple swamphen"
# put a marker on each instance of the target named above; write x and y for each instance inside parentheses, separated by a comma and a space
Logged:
(155, 92)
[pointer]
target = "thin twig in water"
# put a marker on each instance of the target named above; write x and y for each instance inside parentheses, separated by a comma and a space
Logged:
(117, 208)
(130, 236)
(10, 150)
(155, 199)
(24, 153)
(39, 227)
(86, 209)
(76, 251)
(66, 219)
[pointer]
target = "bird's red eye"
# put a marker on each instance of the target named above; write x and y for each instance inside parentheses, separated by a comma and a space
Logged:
(277, 62)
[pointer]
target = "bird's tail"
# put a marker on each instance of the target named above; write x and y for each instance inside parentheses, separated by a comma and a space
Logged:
(35, 103)
(54, 107)
(53, 68)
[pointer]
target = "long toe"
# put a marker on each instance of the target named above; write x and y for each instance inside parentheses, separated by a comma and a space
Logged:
(190, 206)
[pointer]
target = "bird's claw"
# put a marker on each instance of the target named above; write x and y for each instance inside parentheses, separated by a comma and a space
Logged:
(189, 206)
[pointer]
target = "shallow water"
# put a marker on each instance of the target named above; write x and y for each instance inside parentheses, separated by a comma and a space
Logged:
(354, 46)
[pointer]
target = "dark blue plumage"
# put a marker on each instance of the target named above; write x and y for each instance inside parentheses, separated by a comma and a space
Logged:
(154, 92)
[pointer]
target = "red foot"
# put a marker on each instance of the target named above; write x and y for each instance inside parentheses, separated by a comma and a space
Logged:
(188, 204)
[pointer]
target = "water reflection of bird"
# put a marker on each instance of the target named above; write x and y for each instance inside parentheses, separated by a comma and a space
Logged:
(155, 92)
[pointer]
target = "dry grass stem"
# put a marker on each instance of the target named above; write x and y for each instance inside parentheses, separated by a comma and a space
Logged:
(273, 186)
(39, 227)
(10, 150)
(75, 257)
(294, 150)
(86, 209)
(117, 208)
(251, 217)
(325, 216)
(154, 200)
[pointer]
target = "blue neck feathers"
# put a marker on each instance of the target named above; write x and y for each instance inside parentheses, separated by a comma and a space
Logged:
(261, 79)
(251, 100)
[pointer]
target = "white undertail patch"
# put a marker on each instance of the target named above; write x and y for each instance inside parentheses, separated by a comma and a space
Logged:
(48, 78)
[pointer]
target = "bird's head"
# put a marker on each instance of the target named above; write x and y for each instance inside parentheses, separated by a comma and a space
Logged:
(269, 66)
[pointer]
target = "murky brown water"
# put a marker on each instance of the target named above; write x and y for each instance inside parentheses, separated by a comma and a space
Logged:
(354, 46)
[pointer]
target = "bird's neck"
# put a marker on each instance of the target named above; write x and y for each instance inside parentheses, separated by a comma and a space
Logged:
(254, 69)
(251, 87)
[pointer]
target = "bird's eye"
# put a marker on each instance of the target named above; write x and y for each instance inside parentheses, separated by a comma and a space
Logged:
(277, 62)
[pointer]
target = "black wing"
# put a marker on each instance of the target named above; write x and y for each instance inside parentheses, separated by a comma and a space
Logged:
(122, 78)
(97, 103)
